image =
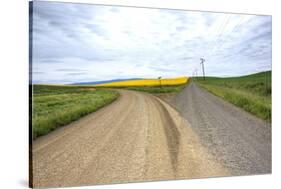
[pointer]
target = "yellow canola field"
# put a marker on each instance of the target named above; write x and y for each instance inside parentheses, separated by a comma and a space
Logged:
(146, 82)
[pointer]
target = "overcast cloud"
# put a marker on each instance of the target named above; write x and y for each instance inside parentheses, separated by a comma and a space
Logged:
(80, 42)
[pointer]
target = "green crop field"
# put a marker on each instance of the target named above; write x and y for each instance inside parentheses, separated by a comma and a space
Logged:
(157, 89)
(55, 106)
(252, 92)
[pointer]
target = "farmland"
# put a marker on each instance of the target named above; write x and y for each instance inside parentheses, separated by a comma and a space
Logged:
(55, 106)
(252, 92)
(158, 89)
(154, 86)
(146, 82)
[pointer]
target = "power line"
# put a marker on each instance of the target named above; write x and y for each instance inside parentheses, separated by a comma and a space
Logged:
(220, 34)
(222, 28)
(218, 30)
(202, 63)
(235, 28)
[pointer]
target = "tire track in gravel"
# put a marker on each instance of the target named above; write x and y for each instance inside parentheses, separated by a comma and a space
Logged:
(236, 139)
(137, 138)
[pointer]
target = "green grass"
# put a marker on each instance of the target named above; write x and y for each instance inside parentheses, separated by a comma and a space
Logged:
(157, 89)
(165, 89)
(55, 106)
(252, 92)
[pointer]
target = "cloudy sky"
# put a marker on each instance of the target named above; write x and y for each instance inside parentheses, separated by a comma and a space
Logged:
(80, 43)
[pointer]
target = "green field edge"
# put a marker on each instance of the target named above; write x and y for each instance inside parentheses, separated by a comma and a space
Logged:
(247, 102)
(154, 89)
(70, 117)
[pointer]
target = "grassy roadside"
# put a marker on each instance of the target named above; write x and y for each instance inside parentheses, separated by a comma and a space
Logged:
(164, 89)
(252, 92)
(158, 89)
(55, 106)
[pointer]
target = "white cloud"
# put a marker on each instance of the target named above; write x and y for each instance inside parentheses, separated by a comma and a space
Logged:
(109, 42)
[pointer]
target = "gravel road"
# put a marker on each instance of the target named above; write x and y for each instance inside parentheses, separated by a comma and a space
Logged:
(238, 140)
(142, 138)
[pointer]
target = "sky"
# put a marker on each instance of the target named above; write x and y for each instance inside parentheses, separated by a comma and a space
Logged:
(82, 43)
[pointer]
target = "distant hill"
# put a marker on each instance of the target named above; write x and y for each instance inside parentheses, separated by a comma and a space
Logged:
(105, 81)
(250, 76)
(250, 92)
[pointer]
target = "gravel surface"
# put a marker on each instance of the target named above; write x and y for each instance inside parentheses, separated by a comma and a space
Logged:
(237, 139)
(136, 138)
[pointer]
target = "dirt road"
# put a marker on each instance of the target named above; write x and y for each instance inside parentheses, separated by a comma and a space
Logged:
(238, 140)
(137, 138)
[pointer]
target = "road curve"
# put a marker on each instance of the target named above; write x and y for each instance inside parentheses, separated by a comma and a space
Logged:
(238, 140)
(136, 138)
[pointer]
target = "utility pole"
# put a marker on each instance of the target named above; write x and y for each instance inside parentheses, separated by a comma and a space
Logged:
(202, 63)
(159, 78)
(265, 83)
(194, 75)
